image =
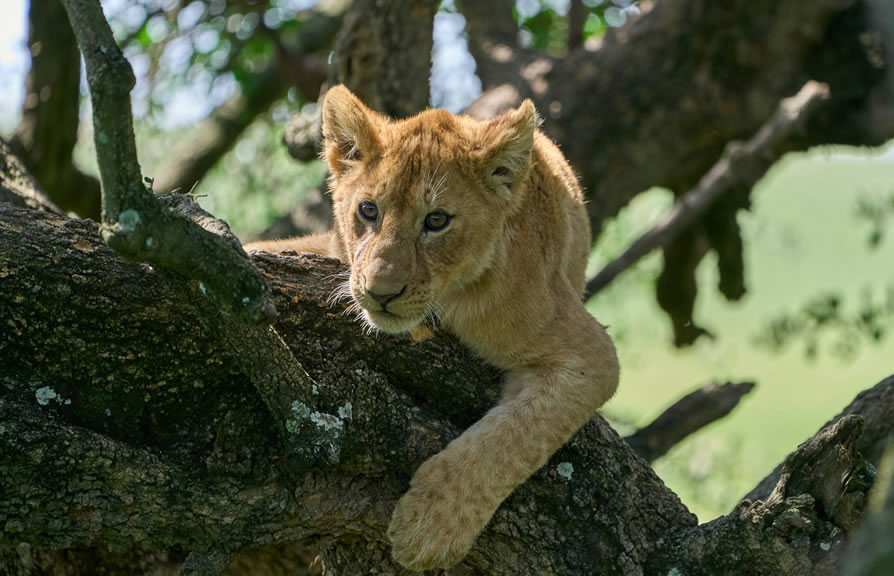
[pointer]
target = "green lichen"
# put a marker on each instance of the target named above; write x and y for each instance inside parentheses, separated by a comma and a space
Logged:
(44, 395)
(300, 410)
(565, 470)
(326, 421)
(346, 412)
(128, 220)
(2, 429)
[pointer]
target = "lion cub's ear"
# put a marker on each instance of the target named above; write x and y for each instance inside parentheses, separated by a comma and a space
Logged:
(349, 130)
(506, 143)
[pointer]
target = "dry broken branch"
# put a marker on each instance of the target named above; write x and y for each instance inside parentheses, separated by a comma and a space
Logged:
(686, 416)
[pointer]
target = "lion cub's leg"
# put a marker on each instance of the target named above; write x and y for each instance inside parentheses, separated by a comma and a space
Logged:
(324, 244)
(453, 495)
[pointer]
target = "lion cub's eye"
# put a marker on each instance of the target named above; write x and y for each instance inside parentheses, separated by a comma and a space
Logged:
(368, 211)
(436, 221)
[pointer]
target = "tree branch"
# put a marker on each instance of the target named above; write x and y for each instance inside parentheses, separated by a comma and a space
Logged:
(619, 111)
(105, 334)
(687, 415)
(740, 165)
(802, 527)
(134, 223)
(217, 133)
(383, 54)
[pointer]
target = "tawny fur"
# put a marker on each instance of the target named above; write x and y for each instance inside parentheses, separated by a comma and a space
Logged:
(506, 275)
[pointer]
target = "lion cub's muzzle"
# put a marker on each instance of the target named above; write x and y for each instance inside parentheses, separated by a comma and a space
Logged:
(387, 307)
(384, 298)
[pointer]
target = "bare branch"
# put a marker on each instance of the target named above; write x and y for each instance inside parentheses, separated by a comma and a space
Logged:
(134, 224)
(741, 164)
(689, 414)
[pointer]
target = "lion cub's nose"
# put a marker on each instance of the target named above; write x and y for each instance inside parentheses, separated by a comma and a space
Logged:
(384, 298)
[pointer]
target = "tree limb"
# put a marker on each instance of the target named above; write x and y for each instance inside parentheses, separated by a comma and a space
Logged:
(183, 428)
(687, 415)
(620, 111)
(740, 165)
(134, 223)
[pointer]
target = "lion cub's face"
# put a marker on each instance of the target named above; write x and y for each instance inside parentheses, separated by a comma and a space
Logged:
(420, 203)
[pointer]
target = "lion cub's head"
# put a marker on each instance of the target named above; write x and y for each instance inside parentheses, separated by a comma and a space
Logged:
(420, 203)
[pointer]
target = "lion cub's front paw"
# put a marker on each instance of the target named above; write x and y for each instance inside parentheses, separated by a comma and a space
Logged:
(432, 526)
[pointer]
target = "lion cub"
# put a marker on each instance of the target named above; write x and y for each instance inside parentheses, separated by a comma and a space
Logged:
(483, 224)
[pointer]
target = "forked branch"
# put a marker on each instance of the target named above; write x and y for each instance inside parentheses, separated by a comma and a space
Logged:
(134, 224)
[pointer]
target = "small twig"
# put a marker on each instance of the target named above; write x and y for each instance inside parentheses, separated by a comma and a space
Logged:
(689, 414)
(740, 163)
(134, 223)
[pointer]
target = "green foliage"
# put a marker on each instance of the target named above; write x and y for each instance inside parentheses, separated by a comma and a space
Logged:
(176, 45)
(877, 210)
(544, 24)
(258, 181)
(824, 324)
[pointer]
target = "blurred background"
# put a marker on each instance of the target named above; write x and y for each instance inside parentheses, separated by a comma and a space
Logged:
(219, 84)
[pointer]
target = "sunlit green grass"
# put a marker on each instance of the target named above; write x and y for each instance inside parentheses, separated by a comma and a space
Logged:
(802, 240)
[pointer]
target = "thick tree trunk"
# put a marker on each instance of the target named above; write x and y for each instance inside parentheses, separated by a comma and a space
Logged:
(127, 417)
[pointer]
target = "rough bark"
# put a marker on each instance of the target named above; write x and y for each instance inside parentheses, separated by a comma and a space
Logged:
(127, 419)
(383, 54)
(871, 555)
